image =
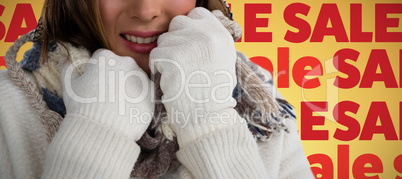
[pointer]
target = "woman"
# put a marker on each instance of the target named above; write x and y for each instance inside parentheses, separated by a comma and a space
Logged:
(142, 88)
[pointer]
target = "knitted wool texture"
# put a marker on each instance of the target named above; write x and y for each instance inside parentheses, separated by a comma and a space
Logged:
(158, 144)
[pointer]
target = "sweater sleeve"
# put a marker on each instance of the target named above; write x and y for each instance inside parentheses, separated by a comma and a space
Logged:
(22, 136)
(293, 162)
(83, 148)
(290, 161)
(283, 153)
(5, 161)
(230, 152)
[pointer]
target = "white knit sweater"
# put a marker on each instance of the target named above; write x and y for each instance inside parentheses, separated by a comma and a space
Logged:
(24, 148)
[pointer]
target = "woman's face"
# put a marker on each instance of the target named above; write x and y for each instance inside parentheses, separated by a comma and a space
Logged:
(133, 26)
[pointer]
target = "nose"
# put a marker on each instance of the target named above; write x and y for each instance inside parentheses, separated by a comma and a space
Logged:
(145, 10)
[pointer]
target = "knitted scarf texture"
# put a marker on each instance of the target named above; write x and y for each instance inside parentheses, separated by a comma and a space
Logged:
(158, 144)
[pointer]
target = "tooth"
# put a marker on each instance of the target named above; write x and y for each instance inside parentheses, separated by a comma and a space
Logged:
(127, 37)
(134, 39)
(147, 40)
(140, 40)
(153, 39)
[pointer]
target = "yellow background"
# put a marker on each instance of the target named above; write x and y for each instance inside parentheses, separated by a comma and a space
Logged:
(324, 51)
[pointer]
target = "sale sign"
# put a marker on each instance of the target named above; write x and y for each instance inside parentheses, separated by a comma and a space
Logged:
(339, 64)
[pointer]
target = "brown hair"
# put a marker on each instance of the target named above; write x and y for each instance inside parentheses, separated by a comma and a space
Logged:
(79, 23)
(75, 21)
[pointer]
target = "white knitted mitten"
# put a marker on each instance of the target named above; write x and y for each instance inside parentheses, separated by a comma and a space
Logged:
(196, 58)
(113, 91)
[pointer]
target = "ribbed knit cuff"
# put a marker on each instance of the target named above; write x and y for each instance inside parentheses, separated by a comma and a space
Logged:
(108, 116)
(84, 149)
(230, 152)
(199, 124)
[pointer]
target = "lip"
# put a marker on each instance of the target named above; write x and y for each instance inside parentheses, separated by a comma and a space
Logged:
(141, 48)
(143, 34)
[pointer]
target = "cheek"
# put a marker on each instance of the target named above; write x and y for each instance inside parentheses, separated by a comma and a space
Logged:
(109, 11)
(180, 7)
(105, 12)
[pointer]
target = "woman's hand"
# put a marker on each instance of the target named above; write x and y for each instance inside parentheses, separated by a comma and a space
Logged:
(113, 91)
(196, 58)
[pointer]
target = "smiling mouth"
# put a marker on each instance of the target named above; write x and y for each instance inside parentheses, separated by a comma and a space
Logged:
(140, 40)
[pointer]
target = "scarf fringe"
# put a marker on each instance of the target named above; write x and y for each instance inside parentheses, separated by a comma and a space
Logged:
(49, 119)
